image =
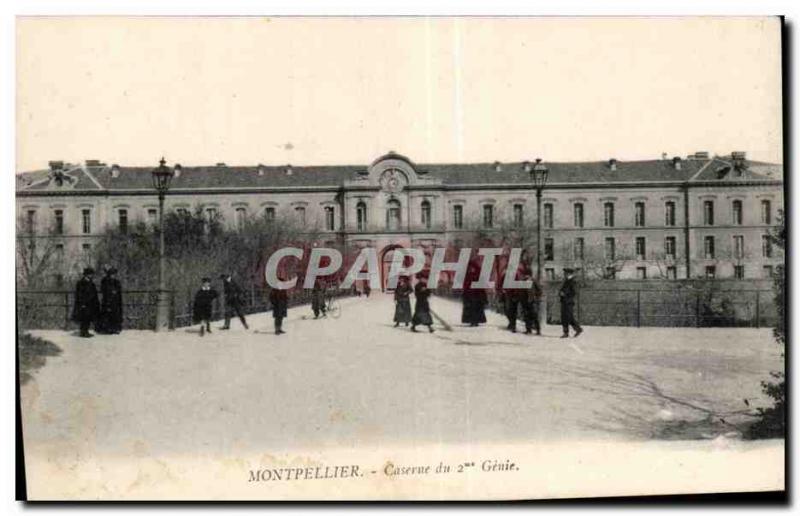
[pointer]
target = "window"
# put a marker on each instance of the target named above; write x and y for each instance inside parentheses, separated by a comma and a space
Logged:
(738, 247)
(577, 215)
(738, 271)
(736, 211)
(30, 221)
(59, 222)
(641, 250)
(639, 214)
(458, 216)
(361, 216)
(183, 212)
(211, 214)
(152, 215)
(269, 214)
(609, 273)
(766, 246)
(608, 214)
(708, 213)
(122, 219)
(672, 272)
(669, 247)
(241, 218)
(610, 250)
(641, 272)
(766, 212)
(711, 272)
(86, 248)
(300, 215)
(768, 271)
(518, 216)
(59, 253)
(393, 214)
(550, 273)
(577, 249)
(708, 247)
(548, 249)
(426, 214)
(330, 218)
(86, 221)
(488, 215)
(548, 215)
(669, 210)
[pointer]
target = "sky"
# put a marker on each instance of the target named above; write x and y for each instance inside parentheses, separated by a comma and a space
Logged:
(329, 91)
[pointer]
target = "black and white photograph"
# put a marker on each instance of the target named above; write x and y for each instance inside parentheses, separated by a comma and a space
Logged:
(400, 258)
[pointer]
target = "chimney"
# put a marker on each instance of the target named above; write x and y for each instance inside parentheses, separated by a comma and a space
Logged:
(56, 165)
(498, 166)
(612, 164)
(676, 162)
(261, 169)
(289, 170)
(739, 162)
(114, 171)
(664, 156)
(527, 166)
(178, 169)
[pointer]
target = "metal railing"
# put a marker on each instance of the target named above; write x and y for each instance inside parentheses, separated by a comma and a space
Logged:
(52, 309)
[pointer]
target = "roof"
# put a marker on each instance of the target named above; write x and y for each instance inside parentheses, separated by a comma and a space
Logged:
(262, 176)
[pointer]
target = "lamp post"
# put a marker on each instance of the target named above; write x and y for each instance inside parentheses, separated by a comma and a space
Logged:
(539, 177)
(162, 176)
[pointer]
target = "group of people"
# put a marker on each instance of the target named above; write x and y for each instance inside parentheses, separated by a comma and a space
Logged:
(422, 309)
(103, 310)
(475, 300)
(203, 304)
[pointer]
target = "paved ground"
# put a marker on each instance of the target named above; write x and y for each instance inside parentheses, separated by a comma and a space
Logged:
(358, 381)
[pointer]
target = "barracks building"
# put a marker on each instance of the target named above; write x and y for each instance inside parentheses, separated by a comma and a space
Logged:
(698, 216)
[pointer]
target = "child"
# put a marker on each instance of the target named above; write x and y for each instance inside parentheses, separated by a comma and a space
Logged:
(203, 306)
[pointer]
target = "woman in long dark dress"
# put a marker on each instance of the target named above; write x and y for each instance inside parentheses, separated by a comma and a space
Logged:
(110, 320)
(422, 308)
(473, 298)
(402, 310)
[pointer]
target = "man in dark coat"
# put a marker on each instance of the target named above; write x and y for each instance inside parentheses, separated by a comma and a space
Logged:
(279, 300)
(473, 298)
(567, 294)
(422, 307)
(233, 301)
(110, 320)
(203, 306)
(318, 299)
(87, 304)
(517, 299)
(402, 305)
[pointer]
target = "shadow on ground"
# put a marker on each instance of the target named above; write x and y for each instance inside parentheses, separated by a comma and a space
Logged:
(33, 353)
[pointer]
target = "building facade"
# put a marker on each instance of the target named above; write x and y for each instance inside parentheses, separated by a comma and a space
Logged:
(697, 216)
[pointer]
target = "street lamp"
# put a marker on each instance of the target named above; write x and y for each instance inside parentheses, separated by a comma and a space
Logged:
(539, 178)
(162, 176)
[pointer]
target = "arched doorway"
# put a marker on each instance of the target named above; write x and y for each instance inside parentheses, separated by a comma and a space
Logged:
(386, 257)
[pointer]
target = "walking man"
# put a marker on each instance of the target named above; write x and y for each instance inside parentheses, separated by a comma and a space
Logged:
(110, 320)
(87, 304)
(203, 306)
(318, 299)
(233, 301)
(567, 294)
(422, 307)
(279, 300)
